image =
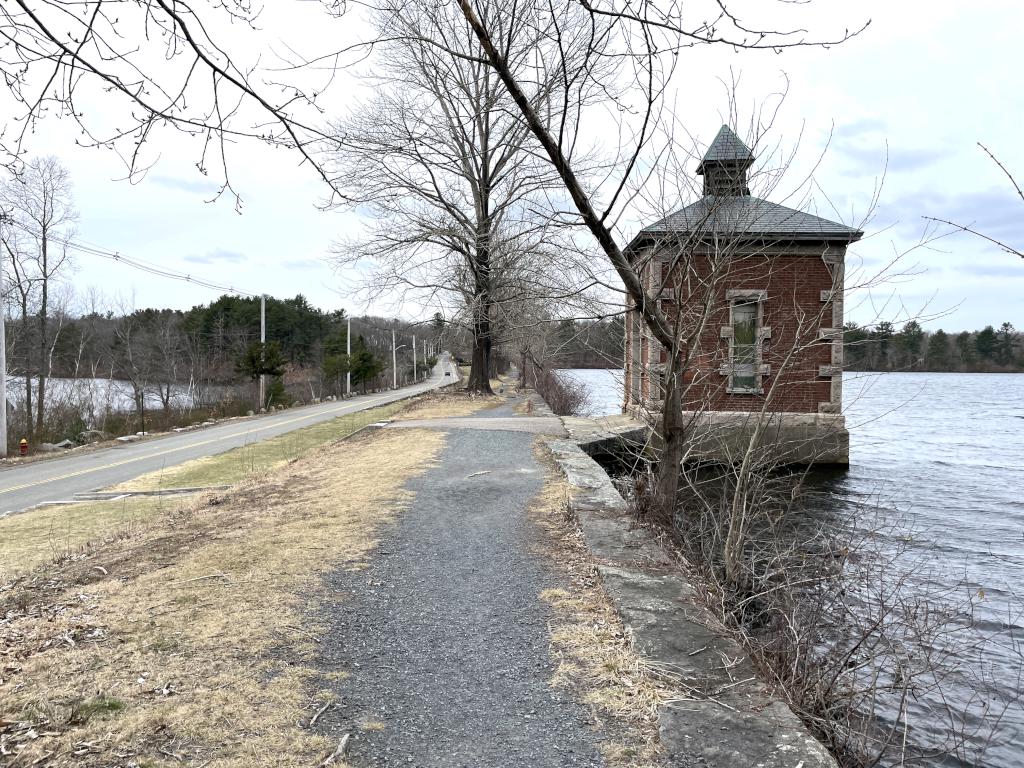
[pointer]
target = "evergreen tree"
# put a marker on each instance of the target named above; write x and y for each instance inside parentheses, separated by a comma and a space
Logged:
(363, 364)
(881, 338)
(965, 348)
(985, 343)
(855, 341)
(938, 351)
(1006, 337)
(911, 340)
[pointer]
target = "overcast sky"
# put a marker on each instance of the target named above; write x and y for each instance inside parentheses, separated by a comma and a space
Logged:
(910, 98)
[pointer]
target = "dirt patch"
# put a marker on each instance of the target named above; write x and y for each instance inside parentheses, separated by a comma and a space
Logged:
(596, 658)
(186, 644)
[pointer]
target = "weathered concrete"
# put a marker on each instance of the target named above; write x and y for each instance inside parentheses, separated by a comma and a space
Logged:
(791, 438)
(728, 720)
(608, 435)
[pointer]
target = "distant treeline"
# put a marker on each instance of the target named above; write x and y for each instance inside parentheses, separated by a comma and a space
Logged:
(212, 351)
(204, 343)
(883, 348)
(586, 343)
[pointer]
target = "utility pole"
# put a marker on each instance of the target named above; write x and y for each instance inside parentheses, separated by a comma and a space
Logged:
(414, 359)
(394, 361)
(263, 349)
(348, 354)
(3, 371)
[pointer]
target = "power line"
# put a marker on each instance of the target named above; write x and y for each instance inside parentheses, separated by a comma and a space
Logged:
(171, 274)
(139, 264)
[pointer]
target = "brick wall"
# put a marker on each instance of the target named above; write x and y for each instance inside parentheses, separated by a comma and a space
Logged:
(793, 310)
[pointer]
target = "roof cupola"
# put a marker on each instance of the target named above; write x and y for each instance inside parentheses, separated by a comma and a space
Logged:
(725, 165)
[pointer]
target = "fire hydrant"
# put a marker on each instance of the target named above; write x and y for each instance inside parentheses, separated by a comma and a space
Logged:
(23, 447)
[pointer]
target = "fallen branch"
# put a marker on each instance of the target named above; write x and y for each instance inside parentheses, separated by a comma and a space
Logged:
(338, 753)
(315, 717)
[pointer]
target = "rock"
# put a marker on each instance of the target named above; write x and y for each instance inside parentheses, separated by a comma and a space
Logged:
(263, 410)
(65, 444)
(296, 404)
(47, 448)
(316, 400)
(92, 436)
(250, 413)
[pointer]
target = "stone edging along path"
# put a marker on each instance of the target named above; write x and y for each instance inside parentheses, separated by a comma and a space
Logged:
(729, 720)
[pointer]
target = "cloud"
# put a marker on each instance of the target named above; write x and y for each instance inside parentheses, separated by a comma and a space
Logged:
(861, 127)
(1009, 269)
(218, 255)
(994, 212)
(185, 185)
(303, 263)
(871, 158)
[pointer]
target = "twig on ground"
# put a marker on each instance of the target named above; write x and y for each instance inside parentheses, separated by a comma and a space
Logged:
(217, 575)
(315, 717)
(338, 753)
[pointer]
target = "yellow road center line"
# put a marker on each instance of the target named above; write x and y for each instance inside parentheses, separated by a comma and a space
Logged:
(184, 447)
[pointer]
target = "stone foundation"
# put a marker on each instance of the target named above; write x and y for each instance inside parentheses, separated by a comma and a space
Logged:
(795, 438)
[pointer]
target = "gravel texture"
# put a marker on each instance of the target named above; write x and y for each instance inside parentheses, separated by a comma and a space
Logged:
(444, 636)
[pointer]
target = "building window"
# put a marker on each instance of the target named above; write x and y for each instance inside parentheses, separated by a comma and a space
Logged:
(745, 374)
(746, 334)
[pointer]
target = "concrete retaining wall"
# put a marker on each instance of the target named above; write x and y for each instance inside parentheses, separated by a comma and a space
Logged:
(728, 719)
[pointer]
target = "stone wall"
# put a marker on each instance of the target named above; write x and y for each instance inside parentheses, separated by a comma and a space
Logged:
(729, 719)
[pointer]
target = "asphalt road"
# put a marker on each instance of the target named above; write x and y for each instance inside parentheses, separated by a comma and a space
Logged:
(61, 478)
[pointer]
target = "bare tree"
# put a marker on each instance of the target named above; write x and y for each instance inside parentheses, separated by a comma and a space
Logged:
(642, 42)
(41, 217)
(444, 163)
(163, 65)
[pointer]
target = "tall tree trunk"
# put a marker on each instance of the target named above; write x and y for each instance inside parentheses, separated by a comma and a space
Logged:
(44, 358)
(480, 368)
(479, 372)
(29, 432)
(673, 435)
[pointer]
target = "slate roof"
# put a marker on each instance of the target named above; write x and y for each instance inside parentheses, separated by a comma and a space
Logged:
(726, 148)
(745, 215)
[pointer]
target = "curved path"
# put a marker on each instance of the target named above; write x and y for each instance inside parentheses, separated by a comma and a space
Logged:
(26, 485)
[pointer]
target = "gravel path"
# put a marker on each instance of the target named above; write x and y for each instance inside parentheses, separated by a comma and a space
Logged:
(444, 637)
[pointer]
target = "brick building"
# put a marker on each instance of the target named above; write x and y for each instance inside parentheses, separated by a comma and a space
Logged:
(755, 290)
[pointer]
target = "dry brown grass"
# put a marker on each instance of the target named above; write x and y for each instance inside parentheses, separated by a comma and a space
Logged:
(37, 536)
(595, 656)
(441, 405)
(57, 532)
(189, 643)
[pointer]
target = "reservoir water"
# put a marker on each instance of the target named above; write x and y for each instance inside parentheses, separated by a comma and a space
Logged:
(944, 453)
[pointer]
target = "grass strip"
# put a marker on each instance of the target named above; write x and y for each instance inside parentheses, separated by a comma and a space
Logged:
(44, 534)
(191, 641)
